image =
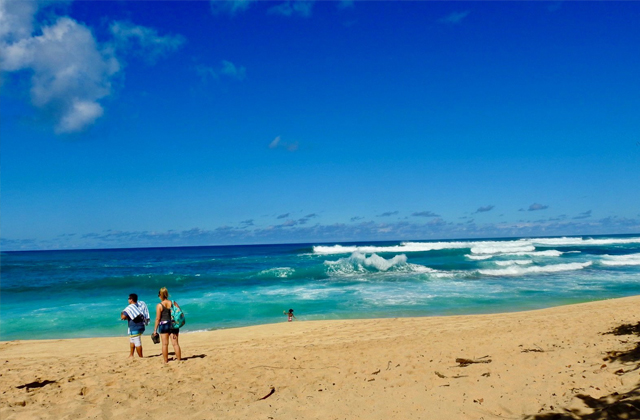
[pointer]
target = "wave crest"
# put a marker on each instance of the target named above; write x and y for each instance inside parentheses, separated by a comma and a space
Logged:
(517, 270)
(360, 263)
(620, 260)
(280, 272)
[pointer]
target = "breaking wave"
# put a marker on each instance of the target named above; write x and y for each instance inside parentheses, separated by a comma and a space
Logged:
(549, 253)
(568, 241)
(517, 270)
(513, 262)
(476, 247)
(280, 272)
(620, 260)
(359, 263)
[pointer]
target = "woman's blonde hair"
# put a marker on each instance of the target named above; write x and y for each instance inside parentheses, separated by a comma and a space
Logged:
(164, 293)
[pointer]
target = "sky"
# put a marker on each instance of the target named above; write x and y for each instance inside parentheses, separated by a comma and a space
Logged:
(134, 124)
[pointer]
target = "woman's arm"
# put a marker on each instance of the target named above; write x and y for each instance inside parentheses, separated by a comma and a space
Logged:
(158, 315)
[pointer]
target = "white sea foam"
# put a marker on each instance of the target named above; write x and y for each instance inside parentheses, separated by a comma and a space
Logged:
(518, 270)
(513, 262)
(303, 292)
(404, 247)
(477, 247)
(479, 257)
(359, 263)
(281, 272)
(620, 260)
(548, 253)
(567, 241)
(506, 247)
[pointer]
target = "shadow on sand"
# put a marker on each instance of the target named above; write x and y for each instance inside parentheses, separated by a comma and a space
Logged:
(36, 384)
(614, 406)
(195, 356)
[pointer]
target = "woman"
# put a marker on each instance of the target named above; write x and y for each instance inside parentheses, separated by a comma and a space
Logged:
(164, 326)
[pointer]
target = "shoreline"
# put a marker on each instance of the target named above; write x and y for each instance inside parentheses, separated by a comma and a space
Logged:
(472, 314)
(542, 361)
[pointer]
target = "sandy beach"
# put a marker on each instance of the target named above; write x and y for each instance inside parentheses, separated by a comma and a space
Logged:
(527, 365)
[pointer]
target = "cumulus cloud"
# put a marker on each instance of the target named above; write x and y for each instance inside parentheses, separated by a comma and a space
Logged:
(536, 206)
(247, 223)
(283, 216)
(230, 7)
(455, 17)
(16, 19)
(356, 218)
(291, 8)
(70, 71)
(424, 214)
(485, 209)
(388, 213)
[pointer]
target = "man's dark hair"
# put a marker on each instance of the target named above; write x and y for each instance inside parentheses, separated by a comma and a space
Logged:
(133, 297)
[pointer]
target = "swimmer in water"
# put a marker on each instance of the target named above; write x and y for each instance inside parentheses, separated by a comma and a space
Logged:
(289, 314)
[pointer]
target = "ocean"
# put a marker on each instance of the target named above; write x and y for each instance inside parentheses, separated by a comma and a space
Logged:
(80, 293)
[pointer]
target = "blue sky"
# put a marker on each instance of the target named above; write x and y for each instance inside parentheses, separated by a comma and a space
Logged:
(202, 123)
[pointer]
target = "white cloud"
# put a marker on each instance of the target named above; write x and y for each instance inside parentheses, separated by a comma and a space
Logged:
(82, 114)
(231, 7)
(277, 143)
(290, 8)
(70, 71)
(346, 4)
(455, 17)
(227, 69)
(16, 19)
(128, 36)
(231, 70)
(274, 143)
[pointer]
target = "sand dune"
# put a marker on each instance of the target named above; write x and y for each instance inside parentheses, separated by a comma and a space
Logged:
(530, 364)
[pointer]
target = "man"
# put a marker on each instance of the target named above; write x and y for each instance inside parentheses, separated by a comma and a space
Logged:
(137, 315)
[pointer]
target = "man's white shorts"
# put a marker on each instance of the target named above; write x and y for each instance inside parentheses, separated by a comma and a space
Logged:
(136, 340)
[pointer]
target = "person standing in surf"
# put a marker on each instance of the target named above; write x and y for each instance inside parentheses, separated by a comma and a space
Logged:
(289, 315)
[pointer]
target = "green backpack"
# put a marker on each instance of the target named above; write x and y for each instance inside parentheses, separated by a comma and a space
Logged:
(177, 316)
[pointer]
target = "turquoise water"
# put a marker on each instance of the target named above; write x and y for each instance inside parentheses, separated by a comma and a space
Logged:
(62, 294)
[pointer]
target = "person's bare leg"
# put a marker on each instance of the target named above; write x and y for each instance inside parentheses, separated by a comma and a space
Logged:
(165, 347)
(131, 349)
(139, 351)
(176, 346)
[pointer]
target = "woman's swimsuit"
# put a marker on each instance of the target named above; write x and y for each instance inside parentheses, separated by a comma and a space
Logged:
(166, 325)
